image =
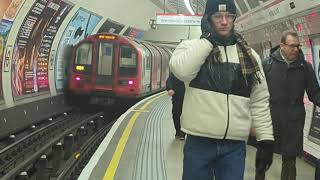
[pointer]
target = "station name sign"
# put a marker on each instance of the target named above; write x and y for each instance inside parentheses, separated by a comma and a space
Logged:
(179, 19)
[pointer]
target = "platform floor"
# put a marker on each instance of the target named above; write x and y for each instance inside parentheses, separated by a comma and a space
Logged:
(149, 150)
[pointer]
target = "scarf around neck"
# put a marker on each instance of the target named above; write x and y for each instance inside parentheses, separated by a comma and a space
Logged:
(248, 63)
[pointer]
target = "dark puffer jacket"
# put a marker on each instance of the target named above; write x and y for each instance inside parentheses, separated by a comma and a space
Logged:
(175, 84)
(287, 84)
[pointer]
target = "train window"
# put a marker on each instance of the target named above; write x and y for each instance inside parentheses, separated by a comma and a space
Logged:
(128, 61)
(84, 54)
(105, 58)
(242, 6)
(254, 3)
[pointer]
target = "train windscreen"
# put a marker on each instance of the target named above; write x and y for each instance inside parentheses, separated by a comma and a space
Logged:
(84, 54)
(128, 61)
(83, 60)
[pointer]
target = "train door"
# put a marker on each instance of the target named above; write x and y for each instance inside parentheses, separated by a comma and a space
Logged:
(158, 60)
(153, 66)
(163, 67)
(105, 64)
(146, 79)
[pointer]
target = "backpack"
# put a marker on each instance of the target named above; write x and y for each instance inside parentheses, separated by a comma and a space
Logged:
(267, 65)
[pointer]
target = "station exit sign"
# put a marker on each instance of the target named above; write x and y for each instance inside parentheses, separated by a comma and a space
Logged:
(179, 19)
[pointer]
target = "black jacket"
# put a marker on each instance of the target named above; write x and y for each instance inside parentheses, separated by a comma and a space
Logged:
(287, 84)
(175, 84)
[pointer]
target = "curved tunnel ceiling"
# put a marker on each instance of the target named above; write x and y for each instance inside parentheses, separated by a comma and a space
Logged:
(178, 6)
(198, 6)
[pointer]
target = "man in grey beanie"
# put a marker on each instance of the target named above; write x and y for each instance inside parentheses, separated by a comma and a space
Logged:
(225, 94)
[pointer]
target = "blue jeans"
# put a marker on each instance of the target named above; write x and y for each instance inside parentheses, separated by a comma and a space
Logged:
(208, 159)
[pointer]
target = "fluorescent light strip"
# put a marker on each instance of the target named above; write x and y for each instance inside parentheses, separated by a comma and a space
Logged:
(188, 5)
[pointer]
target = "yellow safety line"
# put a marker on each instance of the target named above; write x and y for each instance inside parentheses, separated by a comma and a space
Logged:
(147, 104)
(112, 168)
(111, 171)
(139, 110)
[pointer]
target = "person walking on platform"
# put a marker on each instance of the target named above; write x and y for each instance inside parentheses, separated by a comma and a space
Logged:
(288, 76)
(225, 94)
(176, 89)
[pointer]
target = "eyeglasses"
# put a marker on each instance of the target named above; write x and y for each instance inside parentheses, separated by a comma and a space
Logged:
(292, 46)
(218, 17)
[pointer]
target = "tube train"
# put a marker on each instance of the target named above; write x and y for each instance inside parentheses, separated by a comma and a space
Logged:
(107, 67)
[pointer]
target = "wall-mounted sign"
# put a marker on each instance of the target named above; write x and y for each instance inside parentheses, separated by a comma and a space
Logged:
(179, 19)
(110, 26)
(134, 33)
(8, 11)
(33, 43)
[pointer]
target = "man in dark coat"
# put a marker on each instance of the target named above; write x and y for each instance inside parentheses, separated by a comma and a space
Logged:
(288, 76)
(176, 89)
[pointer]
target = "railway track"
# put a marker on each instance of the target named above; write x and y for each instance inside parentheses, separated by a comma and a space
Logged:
(80, 158)
(28, 151)
(58, 148)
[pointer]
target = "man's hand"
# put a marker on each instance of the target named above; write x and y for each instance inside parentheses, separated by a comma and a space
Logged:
(171, 92)
(264, 155)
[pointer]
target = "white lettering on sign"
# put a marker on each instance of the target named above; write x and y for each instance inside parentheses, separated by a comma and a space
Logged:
(54, 6)
(27, 27)
(178, 19)
(38, 8)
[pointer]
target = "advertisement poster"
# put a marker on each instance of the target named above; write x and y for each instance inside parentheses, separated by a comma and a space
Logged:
(32, 48)
(8, 12)
(81, 25)
(314, 133)
(111, 27)
(134, 33)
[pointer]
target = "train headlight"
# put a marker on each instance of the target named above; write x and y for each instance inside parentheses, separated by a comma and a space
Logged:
(78, 78)
(79, 68)
(130, 82)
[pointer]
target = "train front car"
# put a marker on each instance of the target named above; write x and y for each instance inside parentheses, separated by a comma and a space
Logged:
(105, 66)
(109, 67)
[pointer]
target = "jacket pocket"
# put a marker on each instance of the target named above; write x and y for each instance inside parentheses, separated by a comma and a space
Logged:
(239, 116)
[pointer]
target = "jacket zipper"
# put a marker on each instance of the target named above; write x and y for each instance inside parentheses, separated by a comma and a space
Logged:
(225, 135)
